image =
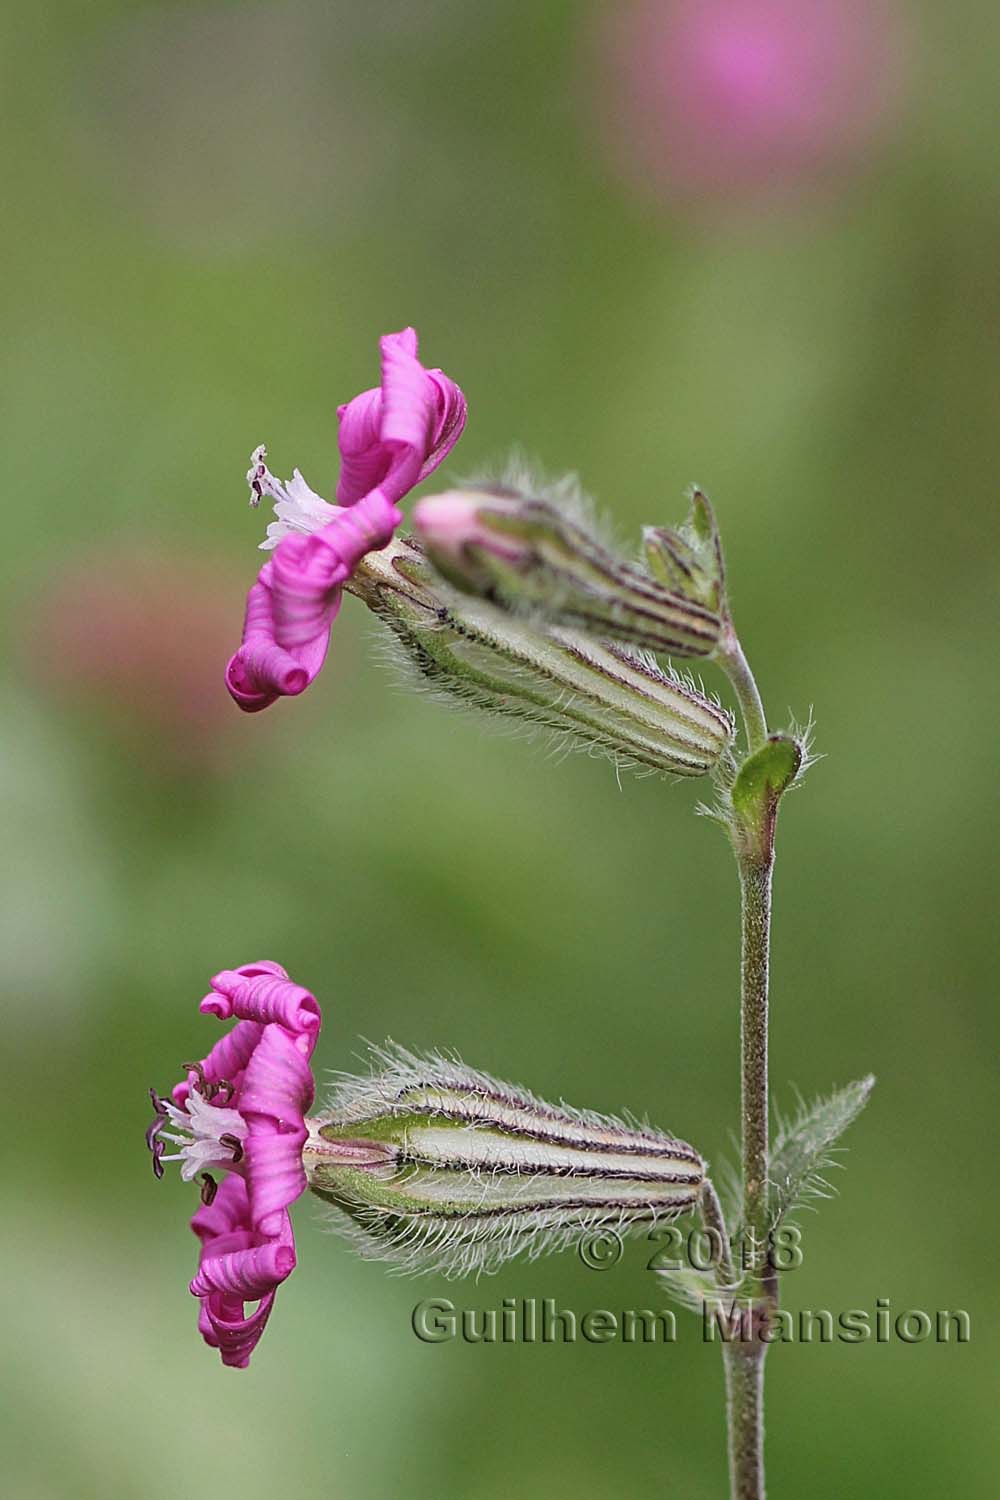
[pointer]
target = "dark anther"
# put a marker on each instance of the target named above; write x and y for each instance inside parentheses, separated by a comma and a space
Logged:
(209, 1188)
(234, 1143)
(155, 1145)
(209, 1091)
(203, 1086)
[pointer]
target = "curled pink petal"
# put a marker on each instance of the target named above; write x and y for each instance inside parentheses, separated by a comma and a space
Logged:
(266, 668)
(278, 1083)
(359, 529)
(277, 1090)
(230, 1242)
(258, 674)
(276, 1175)
(306, 581)
(449, 420)
(395, 436)
(223, 1326)
(226, 1060)
(390, 438)
(262, 998)
(262, 966)
(362, 462)
(245, 1273)
(297, 597)
(257, 1127)
(227, 1213)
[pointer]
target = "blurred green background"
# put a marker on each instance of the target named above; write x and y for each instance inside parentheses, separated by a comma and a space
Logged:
(211, 212)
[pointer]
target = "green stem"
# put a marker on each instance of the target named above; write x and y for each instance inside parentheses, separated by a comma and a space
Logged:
(731, 658)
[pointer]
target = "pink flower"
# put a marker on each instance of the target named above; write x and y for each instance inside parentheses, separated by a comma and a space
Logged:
(390, 439)
(747, 98)
(242, 1110)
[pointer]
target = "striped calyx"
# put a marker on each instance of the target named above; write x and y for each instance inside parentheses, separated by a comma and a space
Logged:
(433, 1165)
(591, 694)
(531, 556)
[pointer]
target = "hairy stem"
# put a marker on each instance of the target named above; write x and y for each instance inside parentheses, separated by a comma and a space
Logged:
(744, 1367)
(711, 1212)
(743, 1348)
(755, 883)
(754, 846)
(731, 658)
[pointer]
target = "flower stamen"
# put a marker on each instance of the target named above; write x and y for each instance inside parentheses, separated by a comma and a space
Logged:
(202, 1085)
(154, 1144)
(234, 1143)
(156, 1147)
(257, 475)
(209, 1091)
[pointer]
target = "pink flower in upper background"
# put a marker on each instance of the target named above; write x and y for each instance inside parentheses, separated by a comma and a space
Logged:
(242, 1110)
(747, 98)
(390, 439)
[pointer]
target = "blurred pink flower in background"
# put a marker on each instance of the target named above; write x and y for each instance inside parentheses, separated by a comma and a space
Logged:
(747, 99)
(136, 635)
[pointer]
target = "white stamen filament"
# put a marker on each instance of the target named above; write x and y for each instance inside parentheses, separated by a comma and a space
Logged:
(199, 1126)
(296, 506)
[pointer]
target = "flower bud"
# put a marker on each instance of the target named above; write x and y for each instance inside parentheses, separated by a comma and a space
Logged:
(527, 554)
(689, 560)
(594, 695)
(435, 1166)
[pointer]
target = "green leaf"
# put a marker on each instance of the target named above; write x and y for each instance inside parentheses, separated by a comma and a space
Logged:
(764, 775)
(802, 1148)
(693, 1290)
(703, 522)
